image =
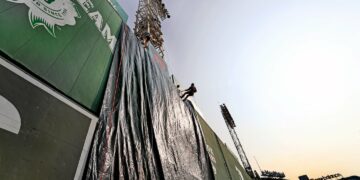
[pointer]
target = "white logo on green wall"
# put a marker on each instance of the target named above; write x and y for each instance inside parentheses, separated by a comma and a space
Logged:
(50, 13)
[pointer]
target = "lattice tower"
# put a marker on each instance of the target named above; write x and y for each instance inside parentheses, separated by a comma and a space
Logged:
(149, 16)
(231, 125)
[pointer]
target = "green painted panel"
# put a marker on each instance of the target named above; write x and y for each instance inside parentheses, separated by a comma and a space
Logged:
(225, 164)
(14, 35)
(217, 159)
(119, 9)
(6, 6)
(68, 44)
(236, 170)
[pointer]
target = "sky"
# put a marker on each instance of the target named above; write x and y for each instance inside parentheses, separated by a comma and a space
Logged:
(288, 70)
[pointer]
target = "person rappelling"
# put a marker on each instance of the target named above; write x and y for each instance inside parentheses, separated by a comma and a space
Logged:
(189, 92)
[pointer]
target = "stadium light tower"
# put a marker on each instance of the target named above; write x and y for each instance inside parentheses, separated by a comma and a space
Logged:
(149, 15)
(231, 125)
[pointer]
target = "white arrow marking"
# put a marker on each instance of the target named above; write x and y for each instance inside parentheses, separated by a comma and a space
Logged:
(9, 116)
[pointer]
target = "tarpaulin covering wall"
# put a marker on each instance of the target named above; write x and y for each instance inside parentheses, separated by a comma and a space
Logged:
(225, 164)
(145, 130)
(67, 43)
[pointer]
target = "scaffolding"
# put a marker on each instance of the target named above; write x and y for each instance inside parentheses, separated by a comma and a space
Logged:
(149, 15)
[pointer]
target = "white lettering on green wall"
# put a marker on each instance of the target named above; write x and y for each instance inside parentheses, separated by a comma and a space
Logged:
(96, 16)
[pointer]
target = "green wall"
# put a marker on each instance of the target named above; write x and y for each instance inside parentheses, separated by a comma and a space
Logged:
(71, 50)
(225, 164)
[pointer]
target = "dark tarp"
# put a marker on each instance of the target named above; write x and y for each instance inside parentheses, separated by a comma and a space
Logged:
(145, 130)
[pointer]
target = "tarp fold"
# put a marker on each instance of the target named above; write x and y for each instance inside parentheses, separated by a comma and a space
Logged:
(145, 130)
